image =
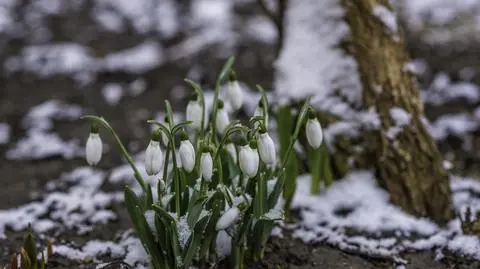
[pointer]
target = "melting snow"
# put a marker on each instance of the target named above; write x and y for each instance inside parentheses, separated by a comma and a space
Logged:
(354, 214)
(4, 133)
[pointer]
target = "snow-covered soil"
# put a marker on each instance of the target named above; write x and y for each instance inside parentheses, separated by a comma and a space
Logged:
(62, 59)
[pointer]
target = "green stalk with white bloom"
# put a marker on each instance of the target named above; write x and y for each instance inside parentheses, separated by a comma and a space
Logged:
(124, 151)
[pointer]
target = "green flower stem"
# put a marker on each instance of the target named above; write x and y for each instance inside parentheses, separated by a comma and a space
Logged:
(124, 151)
(221, 77)
(293, 139)
(165, 165)
(239, 253)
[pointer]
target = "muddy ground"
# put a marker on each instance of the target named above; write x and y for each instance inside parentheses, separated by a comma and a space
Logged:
(22, 181)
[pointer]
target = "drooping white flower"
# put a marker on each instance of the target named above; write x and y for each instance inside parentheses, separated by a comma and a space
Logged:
(249, 160)
(153, 157)
(266, 149)
(206, 165)
(187, 153)
(222, 120)
(314, 132)
(227, 219)
(194, 113)
(94, 147)
(234, 93)
(232, 151)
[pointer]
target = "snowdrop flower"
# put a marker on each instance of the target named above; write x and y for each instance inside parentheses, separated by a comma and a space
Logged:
(227, 219)
(259, 113)
(232, 151)
(187, 153)
(249, 160)
(266, 148)
(234, 92)
(194, 112)
(206, 165)
(94, 146)
(313, 131)
(222, 120)
(154, 155)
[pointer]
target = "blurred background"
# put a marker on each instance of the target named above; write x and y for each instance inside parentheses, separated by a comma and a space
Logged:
(121, 59)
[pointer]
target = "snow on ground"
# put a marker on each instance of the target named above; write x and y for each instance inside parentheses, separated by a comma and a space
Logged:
(40, 142)
(355, 215)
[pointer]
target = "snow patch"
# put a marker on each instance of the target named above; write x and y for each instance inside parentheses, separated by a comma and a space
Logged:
(316, 28)
(4, 133)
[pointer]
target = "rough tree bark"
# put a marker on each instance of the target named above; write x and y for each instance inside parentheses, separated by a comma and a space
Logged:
(410, 165)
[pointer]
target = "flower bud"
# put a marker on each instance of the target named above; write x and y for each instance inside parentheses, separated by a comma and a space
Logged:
(187, 153)
(259, 113)
(227, 219)
(234, 92)
(206, 165)
(194, 113)
(222, 120)
(249, 160)
(266, 148)
(314, 131)
(94, 146)
(154, 156)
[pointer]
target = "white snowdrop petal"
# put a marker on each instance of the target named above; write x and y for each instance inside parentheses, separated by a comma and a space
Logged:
(93, 149)
(194, 114)
(153, 158)
(206, 166)
(266, 149)
(314, 133)
(249, 161)
(227, 219)
(187, 155)
(235, 95)
(222, 121)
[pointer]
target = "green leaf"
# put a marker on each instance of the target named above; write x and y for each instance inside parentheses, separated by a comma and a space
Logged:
(217, 204)
(226, 69)
(277, 190)
(30, 247)
(148, 240)
(195, 240)
(194, 211)
(327, 173)
(316, 167)
(261, 232)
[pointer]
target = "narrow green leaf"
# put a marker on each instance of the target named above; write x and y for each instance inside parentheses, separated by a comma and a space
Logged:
(277, 190)
(195, 240)
(316, 168)
(226, 69)
(30, 247)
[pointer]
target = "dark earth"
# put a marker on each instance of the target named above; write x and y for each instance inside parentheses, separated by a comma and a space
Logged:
(21, 180)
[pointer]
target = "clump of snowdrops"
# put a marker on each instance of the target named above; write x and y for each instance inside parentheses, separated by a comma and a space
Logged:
(225, 187)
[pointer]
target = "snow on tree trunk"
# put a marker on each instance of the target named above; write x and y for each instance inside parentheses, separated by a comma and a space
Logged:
(357, 75)
(407, 161)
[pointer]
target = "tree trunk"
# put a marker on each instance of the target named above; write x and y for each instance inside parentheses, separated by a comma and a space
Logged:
(408, 163)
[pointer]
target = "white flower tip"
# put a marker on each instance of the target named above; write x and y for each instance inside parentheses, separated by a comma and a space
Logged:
(153, 158)
(314, 133)
(93, 149)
